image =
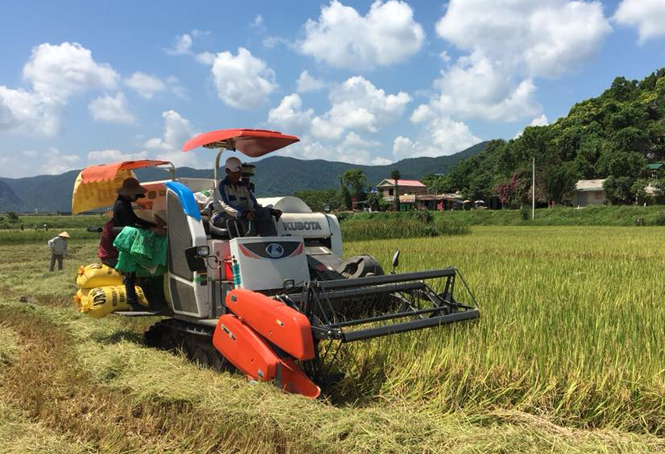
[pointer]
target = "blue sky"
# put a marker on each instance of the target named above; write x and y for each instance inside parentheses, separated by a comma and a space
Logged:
(365, 82)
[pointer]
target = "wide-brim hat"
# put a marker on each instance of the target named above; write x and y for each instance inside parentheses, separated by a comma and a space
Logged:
(131, 187)
(64, 234)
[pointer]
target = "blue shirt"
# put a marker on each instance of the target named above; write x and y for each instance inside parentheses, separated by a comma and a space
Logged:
(236, 199)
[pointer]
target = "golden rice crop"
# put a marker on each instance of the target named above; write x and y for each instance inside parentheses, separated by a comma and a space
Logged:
(571, 326)
(570, 338)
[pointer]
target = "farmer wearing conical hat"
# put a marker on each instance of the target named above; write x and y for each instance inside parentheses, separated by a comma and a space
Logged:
(58, 246)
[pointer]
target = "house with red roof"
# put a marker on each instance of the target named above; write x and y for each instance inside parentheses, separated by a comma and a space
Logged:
(386, 188)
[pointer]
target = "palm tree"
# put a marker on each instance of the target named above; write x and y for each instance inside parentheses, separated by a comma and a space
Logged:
(396, 176)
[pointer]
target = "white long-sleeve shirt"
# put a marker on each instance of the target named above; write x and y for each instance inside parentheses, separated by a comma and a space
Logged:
(58, 245)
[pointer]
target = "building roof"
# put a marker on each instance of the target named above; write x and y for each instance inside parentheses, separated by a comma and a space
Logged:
(409, 183)
(655, 166)
(589, 185)
(411, 198)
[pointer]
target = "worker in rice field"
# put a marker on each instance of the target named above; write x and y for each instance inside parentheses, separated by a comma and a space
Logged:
(236, 201)
(124, 216)
(58, 246)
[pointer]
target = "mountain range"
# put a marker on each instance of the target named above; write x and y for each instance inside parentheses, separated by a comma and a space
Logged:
(275, 176)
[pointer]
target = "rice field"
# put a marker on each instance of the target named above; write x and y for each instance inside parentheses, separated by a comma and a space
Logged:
(568, 356)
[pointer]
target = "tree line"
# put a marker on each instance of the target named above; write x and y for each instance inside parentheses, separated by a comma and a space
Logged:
(354, 192)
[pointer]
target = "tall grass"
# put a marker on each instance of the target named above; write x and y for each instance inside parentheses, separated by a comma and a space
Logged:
(410, 226)
(42, 236)
(571, 326)
(32, 222)
(588, 216)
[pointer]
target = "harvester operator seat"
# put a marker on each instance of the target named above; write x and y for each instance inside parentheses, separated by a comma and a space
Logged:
(211, 229)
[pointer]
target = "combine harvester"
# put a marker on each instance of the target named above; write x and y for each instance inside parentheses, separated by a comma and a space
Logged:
(295, 301)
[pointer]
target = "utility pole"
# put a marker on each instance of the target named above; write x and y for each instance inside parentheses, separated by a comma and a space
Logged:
(533, 191)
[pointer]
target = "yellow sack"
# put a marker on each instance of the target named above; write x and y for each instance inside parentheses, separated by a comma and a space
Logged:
(81, 295)
(101, 301)
(97, 275)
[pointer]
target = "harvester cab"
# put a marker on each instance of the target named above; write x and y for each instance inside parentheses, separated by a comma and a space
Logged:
(281, 307)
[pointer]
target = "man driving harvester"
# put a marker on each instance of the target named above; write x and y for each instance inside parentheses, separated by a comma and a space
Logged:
(237, 202)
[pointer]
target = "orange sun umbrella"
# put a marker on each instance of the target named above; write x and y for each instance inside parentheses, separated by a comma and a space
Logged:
(96, 186)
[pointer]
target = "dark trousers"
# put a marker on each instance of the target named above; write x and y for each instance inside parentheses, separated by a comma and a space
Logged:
(129, 279)
(55, 257)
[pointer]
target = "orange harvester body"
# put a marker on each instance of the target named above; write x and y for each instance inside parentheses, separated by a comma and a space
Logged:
(243, 337)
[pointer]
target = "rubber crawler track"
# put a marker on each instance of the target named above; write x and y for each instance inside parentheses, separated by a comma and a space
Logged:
(193, 339)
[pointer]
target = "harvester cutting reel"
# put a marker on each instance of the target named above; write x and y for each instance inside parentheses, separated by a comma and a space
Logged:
(348, 310)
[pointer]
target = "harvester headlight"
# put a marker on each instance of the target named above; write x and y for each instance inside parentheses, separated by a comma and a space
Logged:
(203, 251)
(289, 283)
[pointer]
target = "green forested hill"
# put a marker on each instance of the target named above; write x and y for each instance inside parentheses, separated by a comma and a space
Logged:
(8, 198)
(274, 176)
(613, 136)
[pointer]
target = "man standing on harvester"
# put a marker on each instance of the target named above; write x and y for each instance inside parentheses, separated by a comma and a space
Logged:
(237, 202)
(124, 216)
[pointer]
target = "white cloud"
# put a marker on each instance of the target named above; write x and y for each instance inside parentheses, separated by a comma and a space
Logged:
(60, 71)
(242, 81)
(111, 155)
(58, 162)
(145, 85)
(206, 58)
(422, 113)
(27, 112)
(353, 149)
(50, 162)
(111, 109)
(289, 114)
(549, 37)
(258, 23)
(441, 136)
(343, 38)
(474, 88)
(182, 45)
(174, 85)
(510, 43)
(177, 130)
(358, 105)
(19, 165)
(308, 83)
(538, 121)
(354, 140)
(648, 16)
(273, 41)
(55, 73)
